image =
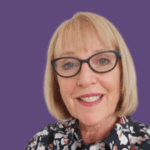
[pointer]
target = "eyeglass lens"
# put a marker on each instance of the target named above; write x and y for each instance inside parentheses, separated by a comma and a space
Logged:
(100, 63)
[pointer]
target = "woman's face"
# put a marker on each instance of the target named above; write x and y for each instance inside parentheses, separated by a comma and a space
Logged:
(87, 82)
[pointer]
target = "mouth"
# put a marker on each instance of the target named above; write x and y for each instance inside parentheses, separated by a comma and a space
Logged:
(90, 103)
(90, 99)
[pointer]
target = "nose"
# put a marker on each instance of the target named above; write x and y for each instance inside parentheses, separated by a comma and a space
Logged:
(86, 76)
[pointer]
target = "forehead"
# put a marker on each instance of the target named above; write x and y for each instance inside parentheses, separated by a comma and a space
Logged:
(74, 53)
(75, 40)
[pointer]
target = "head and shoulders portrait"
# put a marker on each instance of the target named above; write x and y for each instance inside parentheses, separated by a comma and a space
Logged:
(90, 87)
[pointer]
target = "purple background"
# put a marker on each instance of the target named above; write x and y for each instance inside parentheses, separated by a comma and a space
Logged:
(26, 28)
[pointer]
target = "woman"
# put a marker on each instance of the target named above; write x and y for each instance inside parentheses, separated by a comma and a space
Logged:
(90, 88)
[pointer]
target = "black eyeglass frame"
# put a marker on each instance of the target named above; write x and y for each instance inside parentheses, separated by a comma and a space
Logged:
(116, 52)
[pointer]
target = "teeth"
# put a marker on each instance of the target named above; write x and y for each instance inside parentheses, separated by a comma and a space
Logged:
(91, 99)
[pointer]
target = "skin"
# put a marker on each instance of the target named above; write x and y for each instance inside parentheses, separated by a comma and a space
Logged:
(94, 122)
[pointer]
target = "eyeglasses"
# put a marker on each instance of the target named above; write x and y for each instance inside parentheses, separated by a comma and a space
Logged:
(100, 62)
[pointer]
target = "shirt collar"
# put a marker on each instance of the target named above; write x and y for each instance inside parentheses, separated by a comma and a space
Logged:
(119, 135)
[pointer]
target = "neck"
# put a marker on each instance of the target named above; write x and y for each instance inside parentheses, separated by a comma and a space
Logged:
(97, 132)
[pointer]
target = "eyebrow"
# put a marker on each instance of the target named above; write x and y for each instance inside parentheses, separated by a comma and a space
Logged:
(73, 53)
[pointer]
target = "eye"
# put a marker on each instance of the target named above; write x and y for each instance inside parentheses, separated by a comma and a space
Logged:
(68, 66)
(103, 61)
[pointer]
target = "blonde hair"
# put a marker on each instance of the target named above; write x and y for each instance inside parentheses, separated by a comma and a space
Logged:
(75, 32)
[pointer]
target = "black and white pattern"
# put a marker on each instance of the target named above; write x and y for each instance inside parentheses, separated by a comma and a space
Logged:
(65, 135)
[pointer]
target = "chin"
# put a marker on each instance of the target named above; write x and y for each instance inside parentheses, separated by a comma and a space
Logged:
(91, 120)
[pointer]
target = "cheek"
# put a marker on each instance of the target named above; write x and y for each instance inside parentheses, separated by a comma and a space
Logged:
(115, 90)
(114, 80)
(111, 83)
(66, 90)
(114, 84)
(66, 87)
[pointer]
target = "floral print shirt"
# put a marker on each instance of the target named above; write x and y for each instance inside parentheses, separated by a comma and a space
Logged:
(65, 135)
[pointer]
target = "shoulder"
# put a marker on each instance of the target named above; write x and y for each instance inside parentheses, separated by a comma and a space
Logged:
(41, 137)
(45, 136)
(138, 128)
(140, 133)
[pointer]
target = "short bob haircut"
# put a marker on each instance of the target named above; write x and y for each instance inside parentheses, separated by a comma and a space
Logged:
(74, 34)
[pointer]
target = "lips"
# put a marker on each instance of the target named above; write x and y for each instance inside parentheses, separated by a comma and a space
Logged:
(90, 104)
(89, 95)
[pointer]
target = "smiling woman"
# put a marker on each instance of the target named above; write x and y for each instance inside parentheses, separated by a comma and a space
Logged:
(90, 88)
